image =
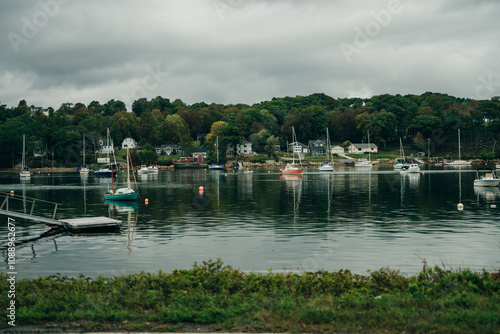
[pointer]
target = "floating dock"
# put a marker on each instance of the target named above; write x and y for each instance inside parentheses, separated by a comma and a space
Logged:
(85, 224)
(88, 224)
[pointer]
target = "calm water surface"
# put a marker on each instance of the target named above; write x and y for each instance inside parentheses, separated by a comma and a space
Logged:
(349, 219)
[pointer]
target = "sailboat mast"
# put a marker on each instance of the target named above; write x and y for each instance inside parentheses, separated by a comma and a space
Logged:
(369, 149)
(83, 150)
(459, 149)
(327, 146)
(24, 147)
(128, 170)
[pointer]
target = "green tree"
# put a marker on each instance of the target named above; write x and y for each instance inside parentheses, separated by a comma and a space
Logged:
(426, 124)
(176, 129)
(124, 124)
(259, 140)
(271, 144)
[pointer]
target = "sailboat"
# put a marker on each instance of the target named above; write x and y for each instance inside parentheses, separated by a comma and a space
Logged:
(459, 162)
(25, 173)
(364, 162)
(216, 165)
(123, 194)
(327, 165)
(290, 168)
(401, 162)
(106, 171)
(84, 170)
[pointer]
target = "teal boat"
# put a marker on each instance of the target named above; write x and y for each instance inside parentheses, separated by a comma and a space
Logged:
(123, 194)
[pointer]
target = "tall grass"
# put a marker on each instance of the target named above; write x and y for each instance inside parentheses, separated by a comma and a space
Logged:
(221, 297)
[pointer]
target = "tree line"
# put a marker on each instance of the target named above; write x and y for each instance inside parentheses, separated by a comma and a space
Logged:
(421, 121)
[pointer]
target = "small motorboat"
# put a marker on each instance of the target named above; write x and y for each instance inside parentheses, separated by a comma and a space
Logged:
(411, 168)
(485, 177)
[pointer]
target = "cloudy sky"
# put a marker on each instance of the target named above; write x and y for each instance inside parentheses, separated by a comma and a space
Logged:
(245, 51)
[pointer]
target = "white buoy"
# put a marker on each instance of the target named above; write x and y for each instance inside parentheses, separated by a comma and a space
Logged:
(493, 206)
(460, 206)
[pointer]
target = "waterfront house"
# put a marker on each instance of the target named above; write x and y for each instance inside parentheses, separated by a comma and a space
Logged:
(317, 147)
(106, 147)
(169, 149)
(200, 152)
(298, 148)
(337, 150)
(363, 148)
(129, 143)
(245, 148)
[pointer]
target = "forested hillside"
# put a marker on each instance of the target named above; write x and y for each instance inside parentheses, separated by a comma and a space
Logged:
(418, 119)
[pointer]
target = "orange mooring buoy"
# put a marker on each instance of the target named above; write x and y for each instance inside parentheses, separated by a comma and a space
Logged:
(146, 201)
(12, 193)
(200, 189)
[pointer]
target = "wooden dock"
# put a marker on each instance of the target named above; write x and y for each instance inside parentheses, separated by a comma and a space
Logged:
(85, 224)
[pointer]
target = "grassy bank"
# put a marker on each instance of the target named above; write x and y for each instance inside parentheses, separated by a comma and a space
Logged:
(212, 297)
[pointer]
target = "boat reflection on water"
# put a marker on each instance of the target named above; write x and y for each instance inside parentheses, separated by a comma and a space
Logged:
(122, 206)
(126, 207)
(413, 178)
(294, 185)
(488, 193)
(290, 177)
(147, 176)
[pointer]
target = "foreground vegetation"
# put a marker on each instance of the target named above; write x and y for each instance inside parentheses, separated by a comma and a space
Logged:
(212, 297)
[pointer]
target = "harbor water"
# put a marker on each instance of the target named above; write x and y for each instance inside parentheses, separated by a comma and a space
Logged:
(347, 219)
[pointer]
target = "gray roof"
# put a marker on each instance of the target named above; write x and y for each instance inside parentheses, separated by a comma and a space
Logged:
(371, 145)
(312, 142)
(200, 150)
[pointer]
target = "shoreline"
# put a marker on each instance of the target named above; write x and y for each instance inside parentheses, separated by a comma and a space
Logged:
(247, 164)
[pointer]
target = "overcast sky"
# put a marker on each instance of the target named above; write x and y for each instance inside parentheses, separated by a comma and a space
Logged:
(245, 51)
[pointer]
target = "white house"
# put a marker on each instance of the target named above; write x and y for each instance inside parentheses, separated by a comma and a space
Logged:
(169, 149)
(363, 148)
(245, 148)
(129, 143)
(297, 147)
(337, 149)
(106, 148)
(200, 151)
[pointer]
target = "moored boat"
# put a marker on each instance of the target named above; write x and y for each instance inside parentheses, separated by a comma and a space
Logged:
(365, 162)
(327, 166)
(458, 162)
(25, 172)
(486, 177)
(123, 194)
(411, 168)
(216, 165)
(291, 168)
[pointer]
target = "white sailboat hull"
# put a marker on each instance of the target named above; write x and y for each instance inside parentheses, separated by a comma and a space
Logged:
(459, 163)
(326, 168)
